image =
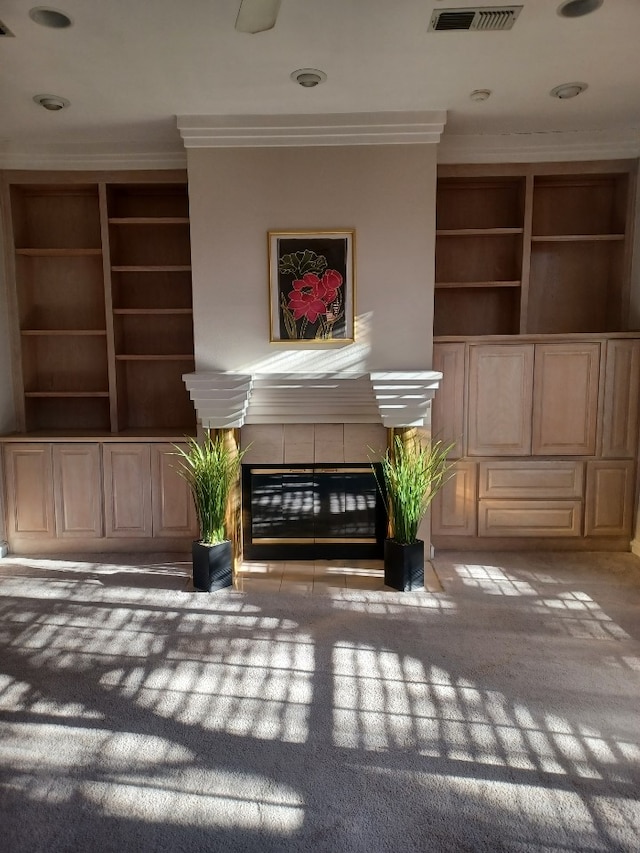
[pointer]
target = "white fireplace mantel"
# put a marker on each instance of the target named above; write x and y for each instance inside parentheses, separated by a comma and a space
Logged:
(395, 398)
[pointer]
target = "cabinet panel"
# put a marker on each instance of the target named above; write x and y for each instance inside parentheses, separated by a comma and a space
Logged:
(533, 479)
(621, 388)
(453, 510)
(529, 518)
(173, 508)
(500, 394)
(127, 489)
(609, 502)
(448, 403)
(78, 490)
(566, 399)
(29, 490)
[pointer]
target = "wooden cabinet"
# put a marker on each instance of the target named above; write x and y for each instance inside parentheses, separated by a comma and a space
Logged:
(551, 430)
(453, 510)
(174, 512)
(565, 400)
(77, 476)
(29, 491)
(127, 489)
(448, 403)
(500, 393)
(106, 494)
(533, 248)
(621, 397)
(609, 499)
(144, 494)
(99, 280)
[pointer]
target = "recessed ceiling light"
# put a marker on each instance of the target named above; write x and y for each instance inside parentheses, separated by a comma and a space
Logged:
(53, 103)
(578, 8)
(480, 94)
(48, 17)
(308, 77)
(568, 90)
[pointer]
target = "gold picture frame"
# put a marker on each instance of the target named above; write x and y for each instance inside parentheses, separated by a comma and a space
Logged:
(312, 287)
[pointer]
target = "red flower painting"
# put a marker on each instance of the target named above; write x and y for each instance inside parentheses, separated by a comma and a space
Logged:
(312, 287)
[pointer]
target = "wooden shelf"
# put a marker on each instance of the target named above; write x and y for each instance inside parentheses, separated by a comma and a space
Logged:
(149, 268)
(63, 332)
(57, 253)
(144, 311)
(477, 232)
(163, 357)
(451, 285)
(148, 220)
(56, 394)
(575, 238)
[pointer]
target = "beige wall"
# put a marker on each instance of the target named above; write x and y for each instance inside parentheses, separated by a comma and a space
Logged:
(386, 193)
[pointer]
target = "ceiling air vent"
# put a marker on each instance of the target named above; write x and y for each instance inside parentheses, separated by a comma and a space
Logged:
(489, 18)
(4, 30)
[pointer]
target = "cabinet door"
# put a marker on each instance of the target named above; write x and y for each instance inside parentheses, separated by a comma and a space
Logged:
(78, 490)
(620, 410)
(127, 489)
(29, 491)
(609, 498)
(565, 404)
(500, 395)
(453, 511)
(173, 508)
(448, 403)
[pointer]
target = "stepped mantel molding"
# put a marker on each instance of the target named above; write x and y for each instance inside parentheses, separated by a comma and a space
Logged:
(384, 128)
(226, 400)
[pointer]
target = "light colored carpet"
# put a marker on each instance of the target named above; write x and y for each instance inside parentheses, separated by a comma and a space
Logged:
(500, 715)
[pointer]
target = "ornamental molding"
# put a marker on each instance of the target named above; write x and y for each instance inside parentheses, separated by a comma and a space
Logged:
(75, 156)
(540, 146)
(387, 128)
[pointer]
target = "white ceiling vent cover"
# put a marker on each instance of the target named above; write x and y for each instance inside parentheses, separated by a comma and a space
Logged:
(488, 18)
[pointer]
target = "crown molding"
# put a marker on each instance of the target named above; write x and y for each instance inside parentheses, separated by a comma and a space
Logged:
(389, 128)
(540, 146)
(89, 155)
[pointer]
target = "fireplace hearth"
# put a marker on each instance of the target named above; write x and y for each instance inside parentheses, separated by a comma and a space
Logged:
(312, 512)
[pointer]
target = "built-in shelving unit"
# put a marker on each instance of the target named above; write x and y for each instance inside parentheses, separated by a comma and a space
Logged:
(102, 295)
(533, 249)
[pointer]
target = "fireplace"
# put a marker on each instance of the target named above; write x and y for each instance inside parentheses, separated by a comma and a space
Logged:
(312, 512)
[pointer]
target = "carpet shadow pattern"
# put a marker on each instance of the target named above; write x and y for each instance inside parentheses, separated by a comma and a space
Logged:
(501, 715)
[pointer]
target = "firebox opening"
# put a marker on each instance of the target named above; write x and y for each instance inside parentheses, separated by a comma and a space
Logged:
(312, 512)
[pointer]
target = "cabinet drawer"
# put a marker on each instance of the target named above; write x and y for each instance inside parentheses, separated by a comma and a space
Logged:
(529, 518)
(530, 479)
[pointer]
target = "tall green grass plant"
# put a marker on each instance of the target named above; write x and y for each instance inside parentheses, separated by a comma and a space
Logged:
(413, 473)
(211, 469)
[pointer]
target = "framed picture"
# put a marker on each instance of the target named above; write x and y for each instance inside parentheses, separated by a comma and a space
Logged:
(311, 286)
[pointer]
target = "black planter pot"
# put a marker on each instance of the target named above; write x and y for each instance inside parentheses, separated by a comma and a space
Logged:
(404, 565)
(212, 566)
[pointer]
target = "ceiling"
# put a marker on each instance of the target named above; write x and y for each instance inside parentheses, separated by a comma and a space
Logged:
(129, 68)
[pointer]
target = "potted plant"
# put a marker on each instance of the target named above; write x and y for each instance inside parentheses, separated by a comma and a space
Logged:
(211, 469)
(412, 474)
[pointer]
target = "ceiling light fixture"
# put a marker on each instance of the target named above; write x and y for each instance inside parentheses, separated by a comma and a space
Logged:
(308, 77)
(568, 90)
(53, 103)
(480, 94)
(52, 18)
(578, 8)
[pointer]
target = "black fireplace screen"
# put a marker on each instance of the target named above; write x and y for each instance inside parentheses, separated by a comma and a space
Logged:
(320, 512)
